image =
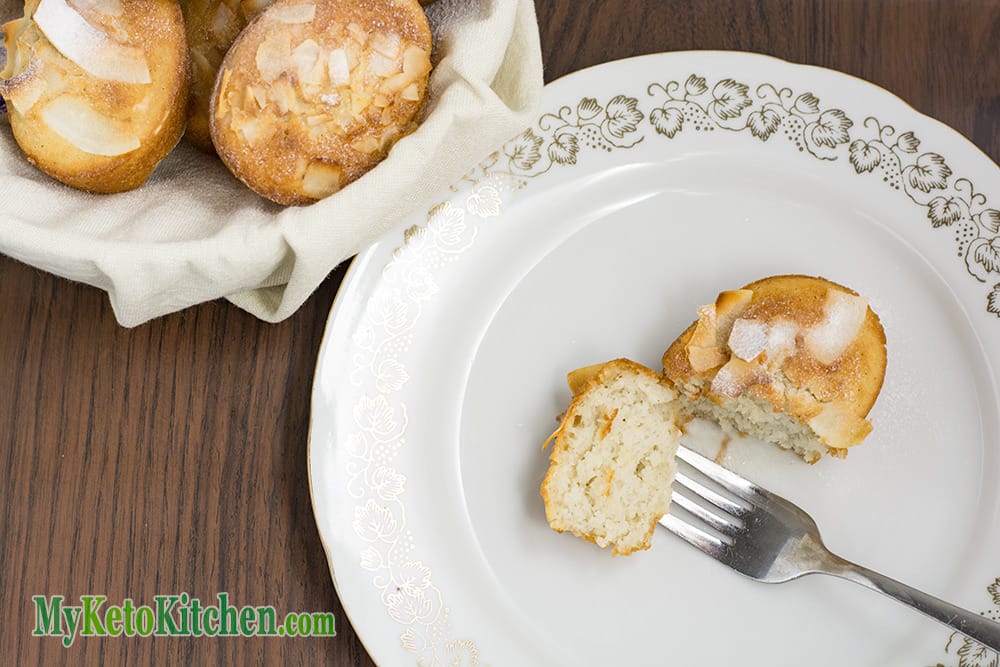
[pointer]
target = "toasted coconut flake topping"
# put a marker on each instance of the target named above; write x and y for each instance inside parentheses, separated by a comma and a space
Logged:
(736, 376)
(74, 120)
(90, 48)
(843, 316)
(748, 338)
(293, 14)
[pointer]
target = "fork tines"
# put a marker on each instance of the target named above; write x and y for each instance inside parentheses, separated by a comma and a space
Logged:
(725, 518)
(724, 478)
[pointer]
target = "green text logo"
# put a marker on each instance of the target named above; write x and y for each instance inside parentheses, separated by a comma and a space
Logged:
(170, 616)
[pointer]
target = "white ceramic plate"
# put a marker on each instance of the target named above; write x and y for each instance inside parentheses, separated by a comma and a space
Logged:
(648, 186)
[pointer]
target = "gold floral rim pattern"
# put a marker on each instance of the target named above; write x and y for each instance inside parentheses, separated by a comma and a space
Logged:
(379, 345)
(560, 139)
(969, 652)
(873, 148)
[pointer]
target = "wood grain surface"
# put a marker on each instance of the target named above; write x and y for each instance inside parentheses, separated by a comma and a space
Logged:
(171, 457)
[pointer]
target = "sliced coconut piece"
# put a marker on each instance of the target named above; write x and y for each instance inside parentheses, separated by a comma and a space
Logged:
(253, 129)
(748, 338)
(365, 144)
(24, 90)
(321, 179)
(386, 44)
(359, 102)
(578, 379)
(395, 83)
(16, 58)
(73, 119)
(273, 55)
(736, 376)
(381, 66)
(704, 329)
(293, 14)
(781, 341)
(359, 34)
(88, 47)
(411, 93)
(339, 72)
(306, 56)
(834, 424)
(225, 24)
(416, 62)
(284, 96)
(729, 306)
(201, 65)
(389, 135)
(223, 106)
(104, 7)
(258, 95)
(843, 316)
(704, 359)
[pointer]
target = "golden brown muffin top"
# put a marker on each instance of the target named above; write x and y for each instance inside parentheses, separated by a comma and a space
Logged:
(810, 347)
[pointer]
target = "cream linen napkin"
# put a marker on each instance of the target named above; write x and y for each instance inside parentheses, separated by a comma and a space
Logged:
(194, 233)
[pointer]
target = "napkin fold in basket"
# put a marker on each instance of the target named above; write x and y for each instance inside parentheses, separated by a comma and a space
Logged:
(194, 233)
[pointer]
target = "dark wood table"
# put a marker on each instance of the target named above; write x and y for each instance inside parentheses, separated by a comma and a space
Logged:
(171, 457)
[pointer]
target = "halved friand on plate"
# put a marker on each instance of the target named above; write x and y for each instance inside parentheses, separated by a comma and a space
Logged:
(646, 188)
(612, 460)
(793, 360)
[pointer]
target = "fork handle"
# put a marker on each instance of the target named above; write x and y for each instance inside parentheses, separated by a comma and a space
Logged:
(982, 630)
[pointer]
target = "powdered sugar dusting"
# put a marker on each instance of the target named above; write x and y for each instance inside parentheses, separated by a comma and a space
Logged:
(725, 383)
(781, 341)
(748, 338)
(843, 316)
(736, 376)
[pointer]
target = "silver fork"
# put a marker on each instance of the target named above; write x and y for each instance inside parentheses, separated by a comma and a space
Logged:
(769, 539)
